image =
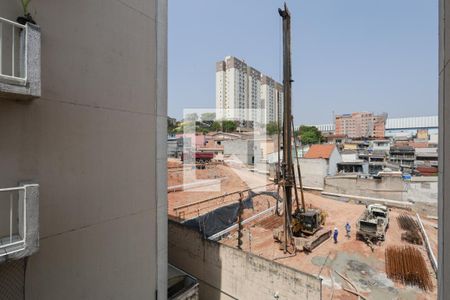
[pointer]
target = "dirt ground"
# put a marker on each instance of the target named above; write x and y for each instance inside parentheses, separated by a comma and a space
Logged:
(232, 180)
(350, 257)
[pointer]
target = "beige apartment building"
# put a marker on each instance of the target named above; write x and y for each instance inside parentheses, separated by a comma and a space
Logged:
(245, 94)
(83, 210)
(360, 125)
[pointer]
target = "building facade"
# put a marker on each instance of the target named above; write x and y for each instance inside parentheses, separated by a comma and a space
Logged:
(401, 127)
(94, 140)
(412, 126)
(242, 91)
(360, 125)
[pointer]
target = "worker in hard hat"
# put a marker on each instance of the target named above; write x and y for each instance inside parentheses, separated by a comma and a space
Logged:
(347, 229)
(335, 235)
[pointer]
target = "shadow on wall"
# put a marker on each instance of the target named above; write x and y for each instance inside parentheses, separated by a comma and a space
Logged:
(224, 272)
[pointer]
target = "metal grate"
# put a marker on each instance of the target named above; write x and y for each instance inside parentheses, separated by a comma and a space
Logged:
(12, 280)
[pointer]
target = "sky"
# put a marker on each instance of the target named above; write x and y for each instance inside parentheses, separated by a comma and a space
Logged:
(347, 55)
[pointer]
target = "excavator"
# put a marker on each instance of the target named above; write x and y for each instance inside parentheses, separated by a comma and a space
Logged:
(303, 229)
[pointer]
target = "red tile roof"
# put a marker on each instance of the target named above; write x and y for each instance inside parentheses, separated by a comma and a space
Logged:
(320, 151)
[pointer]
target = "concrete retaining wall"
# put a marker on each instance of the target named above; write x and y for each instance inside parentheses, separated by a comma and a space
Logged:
(228, 273)
(393, 188)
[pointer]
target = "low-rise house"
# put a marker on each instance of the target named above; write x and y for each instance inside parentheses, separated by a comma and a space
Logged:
(403, 156)
(380, 145)
(351, 163)
(174, 146)
(426, 157)
(217, 138)
(328, 153)
(195, 140)
(320, 161)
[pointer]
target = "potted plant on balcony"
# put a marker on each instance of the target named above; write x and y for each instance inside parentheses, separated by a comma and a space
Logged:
(26, 18)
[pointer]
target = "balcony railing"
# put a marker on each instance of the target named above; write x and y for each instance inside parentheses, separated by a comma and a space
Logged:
(20, 60)
(15, 240)
(13, 48)
(19, 207)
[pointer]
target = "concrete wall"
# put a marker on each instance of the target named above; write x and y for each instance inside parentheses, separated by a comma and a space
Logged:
(424, 191)
(393, 188)
(444, 148)
(241, 149)
(313, 171)
(228, 273)
(95, 142)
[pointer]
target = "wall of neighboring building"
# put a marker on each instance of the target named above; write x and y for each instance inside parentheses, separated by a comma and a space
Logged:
(313, 170)
(228, 273)
(335, 158)
(444, 148)
(95, 142)
(240, 149)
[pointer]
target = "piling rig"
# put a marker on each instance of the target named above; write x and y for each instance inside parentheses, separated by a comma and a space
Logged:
(302, 229)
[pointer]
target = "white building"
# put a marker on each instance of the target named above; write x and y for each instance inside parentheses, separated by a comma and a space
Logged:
(241, 90)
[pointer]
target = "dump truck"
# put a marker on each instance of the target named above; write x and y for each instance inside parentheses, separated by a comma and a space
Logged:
(200, 157)
(373, 223)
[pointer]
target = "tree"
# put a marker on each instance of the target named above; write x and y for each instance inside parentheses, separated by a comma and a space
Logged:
(192, 117)
(272, 128)
(216, 126)
(173, 126)
(229, 126)
(310, 135)
(209, 116)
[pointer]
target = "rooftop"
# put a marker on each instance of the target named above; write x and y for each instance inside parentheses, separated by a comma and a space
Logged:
(320, 151)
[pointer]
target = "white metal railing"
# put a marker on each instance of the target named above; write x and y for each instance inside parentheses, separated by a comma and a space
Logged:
(13, 58)
(15, 245)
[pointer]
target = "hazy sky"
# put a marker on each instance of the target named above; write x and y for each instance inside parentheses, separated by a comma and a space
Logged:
(348, 55)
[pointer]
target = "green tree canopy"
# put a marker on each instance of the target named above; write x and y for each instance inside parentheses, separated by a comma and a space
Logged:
(216, 126)
(310, 135)
(229, 126)
(192, 117)
(209, 116)
(271, 128)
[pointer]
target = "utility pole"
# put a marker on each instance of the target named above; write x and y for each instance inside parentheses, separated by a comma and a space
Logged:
(287, 169)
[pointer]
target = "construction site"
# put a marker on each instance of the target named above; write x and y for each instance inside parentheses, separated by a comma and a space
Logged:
(245, 234)
(349, 269)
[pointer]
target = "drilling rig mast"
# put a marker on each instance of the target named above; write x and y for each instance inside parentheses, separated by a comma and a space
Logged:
(287, 166)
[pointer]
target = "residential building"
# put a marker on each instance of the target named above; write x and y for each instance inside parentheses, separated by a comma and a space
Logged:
(242, 90)
(320, 161)
(360, 125)
(86, 122)
(174, 146)
(192, 140)
(351, 163)
(400, 127)
(271, 100)
(404, 156)
(380, 145)
(426, 156)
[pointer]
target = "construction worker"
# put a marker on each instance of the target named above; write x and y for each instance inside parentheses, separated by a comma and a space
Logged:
(335, 234)
(347, 229)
